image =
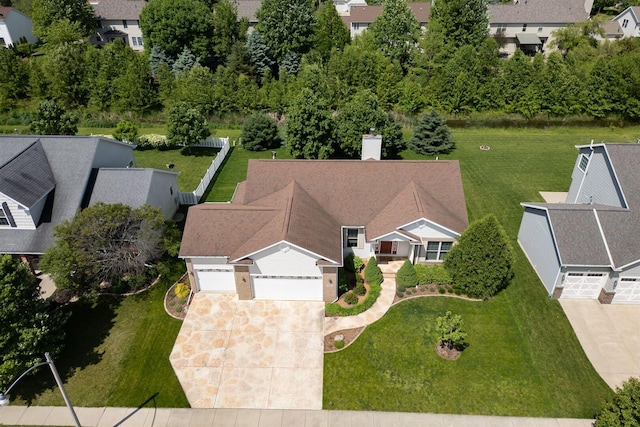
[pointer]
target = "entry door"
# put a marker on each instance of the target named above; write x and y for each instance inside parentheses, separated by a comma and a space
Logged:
(385, 247)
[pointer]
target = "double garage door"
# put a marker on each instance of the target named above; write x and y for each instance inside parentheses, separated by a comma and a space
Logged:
(304, 288)
(583, 285)
(627, 291)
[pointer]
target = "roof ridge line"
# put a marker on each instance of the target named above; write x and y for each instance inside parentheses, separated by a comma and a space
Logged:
(288, 209)
(19, 154)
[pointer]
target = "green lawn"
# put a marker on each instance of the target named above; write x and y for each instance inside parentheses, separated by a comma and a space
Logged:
(116, 354)
(523, 357)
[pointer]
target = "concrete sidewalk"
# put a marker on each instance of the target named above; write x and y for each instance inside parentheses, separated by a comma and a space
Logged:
(161, 417)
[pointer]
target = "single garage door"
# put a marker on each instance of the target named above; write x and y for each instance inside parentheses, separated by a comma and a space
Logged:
(216, 280)
(583, 285)
(627, 291)
(304, 288)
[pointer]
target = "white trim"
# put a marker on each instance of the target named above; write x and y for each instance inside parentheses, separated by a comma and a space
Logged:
(288, 243)
(615, 174)
(20, 204)
(584, 173)
(553, 234)
(430, 222)
(404, 236)
(604, 239)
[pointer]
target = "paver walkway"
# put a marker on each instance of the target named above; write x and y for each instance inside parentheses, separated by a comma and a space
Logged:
(609, 336)
(166, 417)
(377, 310)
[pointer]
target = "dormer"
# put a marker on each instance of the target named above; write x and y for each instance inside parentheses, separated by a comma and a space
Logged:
(26, 180)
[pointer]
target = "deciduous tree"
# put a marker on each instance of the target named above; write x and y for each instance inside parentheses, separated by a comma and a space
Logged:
(330, 33)
(28, 328)
(623, 410)
(395, 31)
(46, 13)
(52, 119)
(228, 29)
(310, 130)
(449, 327)
(186, 126)
(461, 22)
(481, 264)
(15, 81)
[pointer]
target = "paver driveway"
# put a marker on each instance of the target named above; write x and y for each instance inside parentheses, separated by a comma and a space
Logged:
(250, 354)
(609, 336)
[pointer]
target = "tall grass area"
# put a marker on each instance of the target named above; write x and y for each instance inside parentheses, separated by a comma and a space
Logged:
(523, 358)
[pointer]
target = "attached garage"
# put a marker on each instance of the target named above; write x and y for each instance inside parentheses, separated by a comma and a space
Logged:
(627, 291)
(583, 285)
(219, 280)
(303, 288)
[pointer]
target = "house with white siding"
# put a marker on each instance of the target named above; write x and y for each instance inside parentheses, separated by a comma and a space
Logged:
(119, 20)
(46, 180)
(14, 26)
(587, 247)
(291, 223)
(629, 21)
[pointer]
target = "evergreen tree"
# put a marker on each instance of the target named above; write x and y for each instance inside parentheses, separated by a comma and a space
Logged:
(186, 126)
(157, 56)
(481, 264)
(331, 33)
(290, 64)
(185, 62)
(259, 53)
(431, 135)
(52, 119)
(395, 31)
(135, 90)
(260, 132)
(406, 276)
(310, 130)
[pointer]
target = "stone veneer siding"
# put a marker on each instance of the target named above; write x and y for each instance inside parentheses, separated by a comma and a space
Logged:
(605, 296)
(243, 282)
(557, 292)
(329, 284)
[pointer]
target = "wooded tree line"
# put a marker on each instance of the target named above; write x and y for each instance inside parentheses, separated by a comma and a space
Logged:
(300, 57)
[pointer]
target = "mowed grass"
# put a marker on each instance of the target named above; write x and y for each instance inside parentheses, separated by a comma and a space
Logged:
(116, 354)
(523, 357)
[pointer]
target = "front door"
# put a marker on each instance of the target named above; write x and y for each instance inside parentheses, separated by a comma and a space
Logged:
(385, 247)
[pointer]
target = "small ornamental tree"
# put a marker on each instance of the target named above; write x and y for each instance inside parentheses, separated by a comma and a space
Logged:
(52, 119)
(260, 132)
(372, 272)
(126, 131)
(624, 409)
(432, 135)
(449, 327)
(481, 264)
(406, 277)
(186, 126)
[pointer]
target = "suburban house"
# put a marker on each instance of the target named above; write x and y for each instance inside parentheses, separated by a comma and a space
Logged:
(529, 24)
(629, 21)
(587, 247)
(292, 222)
(358, 17)
(14, 27)
(119, 19)
(45, 180)
(247, 9)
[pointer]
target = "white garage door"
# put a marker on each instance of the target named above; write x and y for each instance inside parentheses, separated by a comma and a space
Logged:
(304, 288)
(583, 285)
(216, 280)
(627, 291)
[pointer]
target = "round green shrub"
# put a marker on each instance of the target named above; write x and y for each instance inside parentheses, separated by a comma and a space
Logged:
(406, 277)
(338, 344)
(260, 132)
(351, 298)
(360, 289)
(442, 290)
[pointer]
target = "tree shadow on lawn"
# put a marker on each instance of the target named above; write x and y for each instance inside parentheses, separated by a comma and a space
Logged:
(89, 324)
(199, 151)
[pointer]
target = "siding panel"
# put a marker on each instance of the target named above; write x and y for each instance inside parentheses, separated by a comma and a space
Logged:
(537, 242)
(599, 185)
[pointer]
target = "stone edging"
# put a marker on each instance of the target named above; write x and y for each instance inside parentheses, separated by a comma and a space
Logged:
(139, 291)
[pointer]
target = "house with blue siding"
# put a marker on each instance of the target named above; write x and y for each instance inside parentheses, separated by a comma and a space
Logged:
(587, 247)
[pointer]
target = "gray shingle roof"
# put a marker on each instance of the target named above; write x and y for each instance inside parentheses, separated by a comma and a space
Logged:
(248, 9)
(121, 185)
(119, 9)
(538, 12)
(27, 177)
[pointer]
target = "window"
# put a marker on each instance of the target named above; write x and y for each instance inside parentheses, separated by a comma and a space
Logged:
(436, 251)
(124, 23)
(2, 42)
(584, 161)
(352, 237)
(625, 22)
(539, 29)
(524, 27)
(139, 40)
(3, 218)
(135, 42)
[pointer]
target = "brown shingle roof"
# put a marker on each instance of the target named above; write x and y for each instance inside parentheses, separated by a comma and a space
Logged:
(368, 14)
(538, 12)
(119, 9)
(305, 202)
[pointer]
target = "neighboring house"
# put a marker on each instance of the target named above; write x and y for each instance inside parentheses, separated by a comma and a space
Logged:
(45, 180)
(14, 26)
(359, 18)
(529, 24)
(587, 247)
(247, 9)
(343, 7)
(292, 222)
(119, 19)
(629, 21)
(612, 31)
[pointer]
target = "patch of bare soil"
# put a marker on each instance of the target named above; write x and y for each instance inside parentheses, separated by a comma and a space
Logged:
(447, 353)
(348, 336)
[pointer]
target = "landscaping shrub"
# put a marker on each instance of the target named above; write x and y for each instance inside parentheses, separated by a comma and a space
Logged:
(372, 272)
(182, 290)
(432, 274)
(353, 263)
(343, 285)
(442, 290)
(360, 289)
(481, 264)
(149, 141)
(406, 277)
(351, 298)
(126, 131)
(338, 344)
(260, 132)
(333, 309)
(624, 409)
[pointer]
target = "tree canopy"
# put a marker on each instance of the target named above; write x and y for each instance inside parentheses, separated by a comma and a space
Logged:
(396, 30)
(260, 132)
(45, 14)
(310, 130)
(461, 22)
(449, 327)
(330, 33)
(431, 135)
(174, 25)
(107, 243)
(28, 328)
(186, 126)
(52, 119)
(624, 409)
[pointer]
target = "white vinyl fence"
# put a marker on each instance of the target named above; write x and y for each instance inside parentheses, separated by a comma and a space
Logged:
(193, 198)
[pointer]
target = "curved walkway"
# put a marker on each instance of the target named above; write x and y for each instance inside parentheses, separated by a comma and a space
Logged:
(377, 310)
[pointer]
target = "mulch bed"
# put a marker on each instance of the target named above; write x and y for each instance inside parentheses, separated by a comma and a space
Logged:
(447, 353)
(349, 336)
(429, 290)
(176, 307)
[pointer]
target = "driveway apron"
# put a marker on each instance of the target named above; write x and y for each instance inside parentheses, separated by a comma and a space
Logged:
(250, 354)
